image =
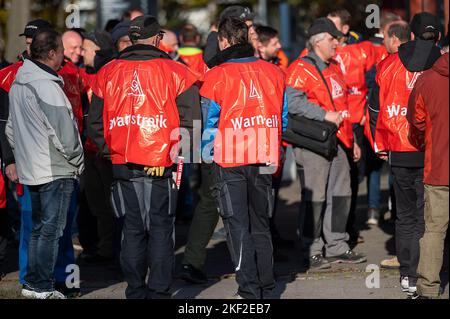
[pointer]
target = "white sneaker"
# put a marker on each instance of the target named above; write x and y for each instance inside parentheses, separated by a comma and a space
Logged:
(43, 295)
(27, 292)
(404, 283)
(412, 290)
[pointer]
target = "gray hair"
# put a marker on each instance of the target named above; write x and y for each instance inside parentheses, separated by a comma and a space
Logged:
(314, 39)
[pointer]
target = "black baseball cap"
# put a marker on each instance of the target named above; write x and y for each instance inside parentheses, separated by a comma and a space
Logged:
(322, 25)
(239, 12)
(33, 26)
(144, 27)
(101, 38)
(120, 30)
(424, 22)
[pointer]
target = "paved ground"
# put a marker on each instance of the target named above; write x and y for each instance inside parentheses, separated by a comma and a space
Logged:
(293, 281)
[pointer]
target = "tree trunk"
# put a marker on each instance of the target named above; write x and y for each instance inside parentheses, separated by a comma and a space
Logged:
(19, 15)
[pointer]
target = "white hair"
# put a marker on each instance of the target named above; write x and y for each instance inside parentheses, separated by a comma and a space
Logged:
(314, 39)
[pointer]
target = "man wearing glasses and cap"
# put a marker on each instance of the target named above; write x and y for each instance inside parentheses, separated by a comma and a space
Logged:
(139, 95)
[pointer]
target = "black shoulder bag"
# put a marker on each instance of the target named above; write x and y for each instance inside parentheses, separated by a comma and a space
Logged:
(316, 136)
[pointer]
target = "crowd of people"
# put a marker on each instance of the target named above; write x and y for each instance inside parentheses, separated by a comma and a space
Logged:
(99, 132)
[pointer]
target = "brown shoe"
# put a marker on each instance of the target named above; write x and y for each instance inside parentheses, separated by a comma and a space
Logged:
(390, 263)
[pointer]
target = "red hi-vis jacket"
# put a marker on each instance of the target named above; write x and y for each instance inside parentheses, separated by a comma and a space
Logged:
(73, 88)
(2, 192)
(140, 111)
(354, 61)
(246, 107)
(8, 75)
(194, 59)
(304, 76)
(88, 80)
(379, 52)
(396, 84)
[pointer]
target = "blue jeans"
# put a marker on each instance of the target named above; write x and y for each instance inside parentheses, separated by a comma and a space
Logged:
(50, 204)
(373, 186)
(374, 166)
(66, 255)
(26, 226)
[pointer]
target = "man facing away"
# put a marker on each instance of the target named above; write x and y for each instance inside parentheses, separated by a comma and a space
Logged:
(244, 96)
(138, 95)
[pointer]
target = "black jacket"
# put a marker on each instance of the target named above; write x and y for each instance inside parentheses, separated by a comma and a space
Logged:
(6, 153)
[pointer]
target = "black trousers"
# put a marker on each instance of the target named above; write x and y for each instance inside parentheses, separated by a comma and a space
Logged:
(245, 202)
(410, 223)
(148, 205)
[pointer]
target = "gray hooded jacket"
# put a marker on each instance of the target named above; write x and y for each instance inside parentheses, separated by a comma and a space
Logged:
(41, 128)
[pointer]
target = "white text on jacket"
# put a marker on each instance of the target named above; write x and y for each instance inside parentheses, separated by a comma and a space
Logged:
(245, 122)
(157, 121)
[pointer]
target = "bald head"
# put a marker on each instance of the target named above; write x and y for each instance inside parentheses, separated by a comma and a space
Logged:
(170, 41)
(73, 43)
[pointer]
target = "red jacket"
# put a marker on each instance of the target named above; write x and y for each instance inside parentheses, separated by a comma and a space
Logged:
(73, 88)
(392, 128)
(428, 113)
(140, 115)
(88, 80)
(378, 51)
(246, 107)
(303, 76)
(354, 60)
(194, 59)
(2, 192)
(8, 75)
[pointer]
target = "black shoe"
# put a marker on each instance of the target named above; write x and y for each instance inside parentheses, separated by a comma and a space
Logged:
(318, 262)
(417, 296)
(2, 274)
(349, 257)
(70, 293)
(193, 275)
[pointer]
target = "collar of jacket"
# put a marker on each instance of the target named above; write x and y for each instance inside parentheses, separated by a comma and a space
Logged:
(377, 39)
(237, 51)
(140, 52)
(418, 55)
(321, 64)
(103, 57)
(24, 55)
(44, 67)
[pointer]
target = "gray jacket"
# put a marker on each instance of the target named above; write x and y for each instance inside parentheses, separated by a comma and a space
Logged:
(298, 101)
(41, 127)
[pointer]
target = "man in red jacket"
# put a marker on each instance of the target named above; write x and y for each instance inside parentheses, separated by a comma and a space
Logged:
(396, 77)
(139, 94)
(190, 51)
(428, 113)
(245, 111)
